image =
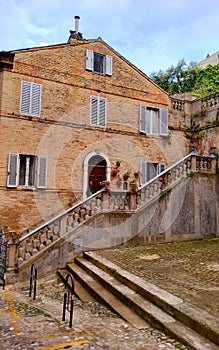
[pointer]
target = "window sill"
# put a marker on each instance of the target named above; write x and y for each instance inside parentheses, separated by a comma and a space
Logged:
(27, 188)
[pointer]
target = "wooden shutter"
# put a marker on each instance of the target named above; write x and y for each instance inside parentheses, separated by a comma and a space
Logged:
(154, 121)
(89, 59)
(102, 111)
(147, 120)
(25, 97)
(142, 119)
(143, 173)
(35, 99)
(12, 179)
(164, 121)
(109, 65)
(93, 110)
(41, 171)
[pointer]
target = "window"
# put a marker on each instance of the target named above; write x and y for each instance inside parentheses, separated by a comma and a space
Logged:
(98, 63)
(26, 170)
(30, 100)
(97, 111)
(153, 121)
(149, 170)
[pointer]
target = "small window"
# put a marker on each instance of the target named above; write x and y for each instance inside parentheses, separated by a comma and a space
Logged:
(99, 63)
(97, 111)
(26, 170)
(153, 121)
(30, 99)
(149, 170)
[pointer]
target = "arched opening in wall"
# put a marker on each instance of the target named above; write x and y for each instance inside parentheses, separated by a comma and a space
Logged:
(97, 167)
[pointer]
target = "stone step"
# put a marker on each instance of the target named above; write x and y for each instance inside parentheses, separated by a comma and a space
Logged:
(138, 304)
(199, 320)
(103, 295)
(80, 291)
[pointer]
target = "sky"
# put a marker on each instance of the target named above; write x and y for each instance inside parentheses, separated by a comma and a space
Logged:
(151, 34)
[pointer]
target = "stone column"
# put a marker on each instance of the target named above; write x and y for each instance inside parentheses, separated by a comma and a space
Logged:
(132, 201)
(105, 200)
(213, 163)
(12, 250)
(193, 163)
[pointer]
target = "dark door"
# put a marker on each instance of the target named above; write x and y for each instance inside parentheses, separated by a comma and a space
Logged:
(96, 173)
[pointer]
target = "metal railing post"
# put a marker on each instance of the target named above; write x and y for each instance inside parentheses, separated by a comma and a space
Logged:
(68, 295)
(3, 257)
(33, 279)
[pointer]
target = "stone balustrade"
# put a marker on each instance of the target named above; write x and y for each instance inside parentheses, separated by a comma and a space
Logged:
(177, 105)
(41, 238)
(187, 166)
(210, 101)
(186, 106)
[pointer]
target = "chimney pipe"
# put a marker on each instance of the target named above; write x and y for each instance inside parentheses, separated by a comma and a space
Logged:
(76, 24)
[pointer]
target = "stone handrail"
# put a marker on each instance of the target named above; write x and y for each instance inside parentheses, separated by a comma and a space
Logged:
(187, 165)
(40, 238)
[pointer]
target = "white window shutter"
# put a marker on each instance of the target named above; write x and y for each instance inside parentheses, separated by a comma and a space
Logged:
(25, 97)
(142, 119)
(12, 179)
(36, 99)
(102, 112)
(93, 110)
(41, 172)
(143, 172)
(109, 65)
(154, 121)
(164, 121)
(89, 59)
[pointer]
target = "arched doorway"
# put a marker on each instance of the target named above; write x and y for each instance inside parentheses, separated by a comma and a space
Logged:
(96, 173)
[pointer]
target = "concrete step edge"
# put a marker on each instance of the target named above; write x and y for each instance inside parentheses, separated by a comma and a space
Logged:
(152, 314)
(193, 317)
(104, 296)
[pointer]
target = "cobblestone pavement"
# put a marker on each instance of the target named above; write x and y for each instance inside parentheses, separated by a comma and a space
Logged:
(189, 270)
(26, 324)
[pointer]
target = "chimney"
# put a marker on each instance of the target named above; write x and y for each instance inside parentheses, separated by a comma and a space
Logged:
(75, 34)
(76, 24)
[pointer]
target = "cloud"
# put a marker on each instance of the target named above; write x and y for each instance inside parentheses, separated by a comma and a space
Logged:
(151, 34)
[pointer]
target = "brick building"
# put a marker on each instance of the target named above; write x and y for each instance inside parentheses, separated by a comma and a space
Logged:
(70, 113)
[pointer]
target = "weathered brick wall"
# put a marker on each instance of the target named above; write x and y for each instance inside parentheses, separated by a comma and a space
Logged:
(63, 131)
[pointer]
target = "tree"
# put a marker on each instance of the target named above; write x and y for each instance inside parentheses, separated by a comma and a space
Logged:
(176, 79)
(207, 81)
(188, 78)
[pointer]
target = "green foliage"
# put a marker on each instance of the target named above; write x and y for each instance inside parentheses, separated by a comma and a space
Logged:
(188, 78)
(207, 81)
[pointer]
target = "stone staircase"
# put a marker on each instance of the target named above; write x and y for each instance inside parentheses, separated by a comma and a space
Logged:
(36, 244)
(139, 302)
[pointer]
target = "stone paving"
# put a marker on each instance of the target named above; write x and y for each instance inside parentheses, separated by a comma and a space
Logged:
(189, 270)
(26, 324)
